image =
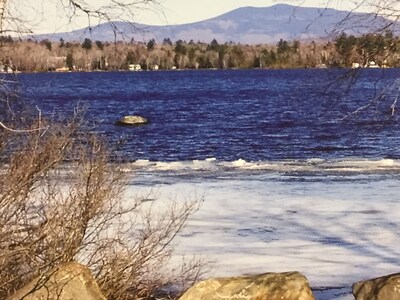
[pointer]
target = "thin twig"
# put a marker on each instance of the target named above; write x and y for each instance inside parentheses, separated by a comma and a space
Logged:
(22, 130)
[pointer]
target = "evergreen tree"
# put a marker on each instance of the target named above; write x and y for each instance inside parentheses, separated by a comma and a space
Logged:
(150, 44)
(100, 45)
(69, 61)
(87, 44)
(47, 44)
(167, 41)
(180, 48)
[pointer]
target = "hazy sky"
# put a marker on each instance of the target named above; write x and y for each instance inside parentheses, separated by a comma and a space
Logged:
(49, 15)
(186, 11)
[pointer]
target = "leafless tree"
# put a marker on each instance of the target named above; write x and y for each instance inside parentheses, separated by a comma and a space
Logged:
(61, 201)
(368, 21)
(23, 16)
(62, 198)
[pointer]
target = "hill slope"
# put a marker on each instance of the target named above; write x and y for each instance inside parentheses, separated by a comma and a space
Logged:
(248, 25)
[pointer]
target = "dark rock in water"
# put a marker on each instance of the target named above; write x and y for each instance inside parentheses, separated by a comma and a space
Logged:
(66, 282)
(381, 288)
(132, 121)
(271, 286)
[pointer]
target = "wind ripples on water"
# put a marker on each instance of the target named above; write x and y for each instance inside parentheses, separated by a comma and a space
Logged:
(255, 115)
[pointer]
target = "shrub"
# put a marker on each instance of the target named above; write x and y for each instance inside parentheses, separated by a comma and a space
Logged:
(61, 201)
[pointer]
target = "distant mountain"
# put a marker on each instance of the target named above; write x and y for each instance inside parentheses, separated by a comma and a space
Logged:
(248, 25)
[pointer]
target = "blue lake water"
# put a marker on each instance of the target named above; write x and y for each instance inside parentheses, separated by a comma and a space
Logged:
(254, 115)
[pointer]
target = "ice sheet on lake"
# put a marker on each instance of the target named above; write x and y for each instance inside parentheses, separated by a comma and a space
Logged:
(308, 166)
(336, 232)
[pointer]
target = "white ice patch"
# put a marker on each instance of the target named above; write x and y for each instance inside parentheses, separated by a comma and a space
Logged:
(335, 232)
(309, 166)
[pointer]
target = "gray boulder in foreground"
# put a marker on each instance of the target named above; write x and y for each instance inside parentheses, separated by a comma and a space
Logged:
(69, 281)
(382, 288)
(132, 120)
(268, 286)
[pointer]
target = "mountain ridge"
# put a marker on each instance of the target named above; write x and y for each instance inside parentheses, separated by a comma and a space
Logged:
(248, 25)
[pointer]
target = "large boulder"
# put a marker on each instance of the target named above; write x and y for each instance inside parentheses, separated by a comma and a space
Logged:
(269, 286)
(382, 288)
(132, 121)
(69, 281)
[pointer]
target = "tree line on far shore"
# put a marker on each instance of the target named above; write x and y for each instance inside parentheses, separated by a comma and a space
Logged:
(343, 51)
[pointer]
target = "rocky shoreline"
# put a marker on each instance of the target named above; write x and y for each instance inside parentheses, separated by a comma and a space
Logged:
(75, 281)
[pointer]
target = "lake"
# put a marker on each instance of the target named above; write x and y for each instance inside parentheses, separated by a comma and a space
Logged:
(291, 179)
(254, 115)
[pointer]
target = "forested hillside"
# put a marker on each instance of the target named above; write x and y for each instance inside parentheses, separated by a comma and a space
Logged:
(344, 51)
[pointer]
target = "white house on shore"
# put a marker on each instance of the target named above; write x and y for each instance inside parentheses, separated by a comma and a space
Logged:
(7, 69)
(134, 67)
(371, 64)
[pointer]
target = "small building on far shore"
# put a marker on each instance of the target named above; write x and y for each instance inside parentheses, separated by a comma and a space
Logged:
(62, 69)
(6, 69)
(372, 65)
(134, 67)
